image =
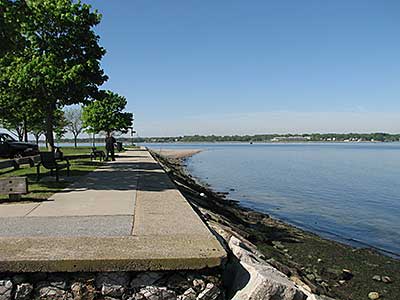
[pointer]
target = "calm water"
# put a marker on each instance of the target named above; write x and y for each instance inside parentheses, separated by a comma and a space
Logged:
(348, 192)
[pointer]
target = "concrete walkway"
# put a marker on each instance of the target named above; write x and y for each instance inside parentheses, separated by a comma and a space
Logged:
(127, 215)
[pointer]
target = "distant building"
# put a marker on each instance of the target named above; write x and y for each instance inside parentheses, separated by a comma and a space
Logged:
(291, 139)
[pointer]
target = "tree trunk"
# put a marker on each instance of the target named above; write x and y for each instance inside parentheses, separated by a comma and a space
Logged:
(94, 139)
(50, 127)
(20, 134)
(25, 130)
(36, 138)
(75, 142)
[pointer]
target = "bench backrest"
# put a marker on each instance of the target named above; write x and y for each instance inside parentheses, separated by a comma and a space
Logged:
(13, 186)
(48, 160)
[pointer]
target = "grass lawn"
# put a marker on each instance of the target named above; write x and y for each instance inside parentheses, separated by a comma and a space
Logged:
(79, 150)
(47, 185)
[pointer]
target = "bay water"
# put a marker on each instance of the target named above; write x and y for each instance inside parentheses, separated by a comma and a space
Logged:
(348, 192)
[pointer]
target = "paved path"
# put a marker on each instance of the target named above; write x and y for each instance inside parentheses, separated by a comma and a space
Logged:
(127, 215)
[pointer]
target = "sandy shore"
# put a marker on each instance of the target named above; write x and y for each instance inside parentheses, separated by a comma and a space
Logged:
(177, 154)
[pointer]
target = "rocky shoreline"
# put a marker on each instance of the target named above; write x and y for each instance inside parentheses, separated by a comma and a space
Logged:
(317, 265)
(188, 285)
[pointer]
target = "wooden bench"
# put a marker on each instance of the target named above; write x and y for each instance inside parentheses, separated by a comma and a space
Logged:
(97, 153)
(49, 161)
(14, 187)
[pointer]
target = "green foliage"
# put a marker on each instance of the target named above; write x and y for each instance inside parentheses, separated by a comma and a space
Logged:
(59, 62)
(314, 137)
(107, 114)
(73, 115)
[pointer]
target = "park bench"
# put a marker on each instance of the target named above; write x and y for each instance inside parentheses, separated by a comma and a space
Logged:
(14, 187)
(48, 160)
(97, 153)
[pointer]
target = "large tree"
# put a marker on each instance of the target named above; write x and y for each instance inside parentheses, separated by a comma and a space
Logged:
(74, 124)
(59, 63)
(107, 114)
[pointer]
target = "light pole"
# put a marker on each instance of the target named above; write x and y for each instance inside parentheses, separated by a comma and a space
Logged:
(133, 131)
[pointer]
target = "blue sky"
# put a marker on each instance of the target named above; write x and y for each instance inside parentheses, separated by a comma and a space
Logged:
(238, 67)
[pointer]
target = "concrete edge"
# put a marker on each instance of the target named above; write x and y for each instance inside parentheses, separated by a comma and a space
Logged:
(109, 254)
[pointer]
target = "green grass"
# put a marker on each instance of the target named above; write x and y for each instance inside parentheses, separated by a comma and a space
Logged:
(47, 186)
(76, 151)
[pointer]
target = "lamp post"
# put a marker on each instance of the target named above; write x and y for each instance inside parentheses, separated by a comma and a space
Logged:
(133, 131)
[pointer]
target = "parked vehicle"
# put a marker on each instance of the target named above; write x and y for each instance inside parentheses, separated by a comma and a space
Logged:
(11, 148)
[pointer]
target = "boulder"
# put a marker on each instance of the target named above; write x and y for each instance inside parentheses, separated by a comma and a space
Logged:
(112, 284)
(373, 295)
(211, 292)
(253, 278)
(156, 293)
(5, 289)
(53, 293)
(83, 291)
(189, 294)
(23, 291)
(145, 279)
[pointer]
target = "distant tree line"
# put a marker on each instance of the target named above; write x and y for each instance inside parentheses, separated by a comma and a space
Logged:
(314, 137)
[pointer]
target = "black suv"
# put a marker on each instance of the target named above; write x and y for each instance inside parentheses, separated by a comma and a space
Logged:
(10, 147)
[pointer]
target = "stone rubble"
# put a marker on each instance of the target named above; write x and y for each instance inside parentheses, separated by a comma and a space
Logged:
(168, 285)
(5, 289)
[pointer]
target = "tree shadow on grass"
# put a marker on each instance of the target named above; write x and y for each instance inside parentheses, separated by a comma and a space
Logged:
(24, 200)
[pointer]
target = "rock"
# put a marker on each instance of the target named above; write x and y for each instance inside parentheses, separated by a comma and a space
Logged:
(333, 273)
(373, 295)
(300, 283)
(212, 279)
(157, 293)
(320, 297)
(199, 284)
(82, 291)
(23, 291)
(347, 274)
(310, 277)
(19, 278)
(61, 284)
(377, 278)
(116, 278)
(178, 282)
(386, 279)
(189, 294)
(341, 282)
(281, 267)
(112, 290)
(250, 278)
(53, 293)
(211, 292)
(137, 296)
(5, 289)
(112, 284)
(145, 279)
(278, 245)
